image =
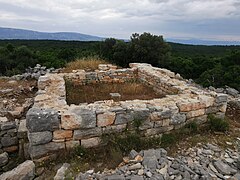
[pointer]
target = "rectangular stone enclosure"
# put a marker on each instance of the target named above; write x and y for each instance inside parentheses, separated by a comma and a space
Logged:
(54, 125)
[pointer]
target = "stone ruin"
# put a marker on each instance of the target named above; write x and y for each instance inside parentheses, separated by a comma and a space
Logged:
(55, 126)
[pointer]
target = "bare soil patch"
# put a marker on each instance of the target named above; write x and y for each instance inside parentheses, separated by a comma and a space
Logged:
(97, 92)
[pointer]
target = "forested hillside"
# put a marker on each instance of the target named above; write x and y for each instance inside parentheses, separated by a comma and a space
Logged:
(208, 65)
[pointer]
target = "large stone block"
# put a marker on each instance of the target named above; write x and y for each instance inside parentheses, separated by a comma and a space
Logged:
(196, 113)
(70, 121)
(140, 114)
(7, 141)
(159, 130)
(88, 116)
(123, 118)
(114, 129)
(37, 138)
(221, 98)
(8, 125)
(105, 119)
(91, 142)
(87, 133)
(42, 120)
(24, 171)
(178, 119)
(44, 149)
(62, 134)
(190, 106)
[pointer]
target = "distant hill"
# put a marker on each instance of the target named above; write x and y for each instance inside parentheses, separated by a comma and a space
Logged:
(11, 33)
(203, 42)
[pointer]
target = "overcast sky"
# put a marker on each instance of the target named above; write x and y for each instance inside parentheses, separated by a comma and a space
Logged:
(201, 19)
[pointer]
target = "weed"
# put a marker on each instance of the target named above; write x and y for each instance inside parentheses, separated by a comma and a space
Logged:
(217, 124)
(168, 139)
(191, 127)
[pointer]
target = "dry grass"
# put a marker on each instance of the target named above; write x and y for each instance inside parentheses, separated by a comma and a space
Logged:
(88, 64)
(96, 92)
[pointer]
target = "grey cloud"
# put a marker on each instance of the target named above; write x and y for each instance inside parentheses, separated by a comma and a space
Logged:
(120, 18)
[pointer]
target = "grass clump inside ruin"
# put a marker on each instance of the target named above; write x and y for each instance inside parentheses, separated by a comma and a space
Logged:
(88, 64)
(101, 91)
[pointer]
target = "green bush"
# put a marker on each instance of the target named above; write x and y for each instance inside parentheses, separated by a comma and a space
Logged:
(217, 124)
(191, 127)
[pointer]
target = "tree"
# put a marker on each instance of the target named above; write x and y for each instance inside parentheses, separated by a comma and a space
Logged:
(148, 48)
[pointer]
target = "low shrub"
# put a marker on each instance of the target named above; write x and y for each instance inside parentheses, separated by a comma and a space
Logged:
(217, 124)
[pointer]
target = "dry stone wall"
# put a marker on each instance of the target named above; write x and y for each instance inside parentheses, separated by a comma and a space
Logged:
(53, 125)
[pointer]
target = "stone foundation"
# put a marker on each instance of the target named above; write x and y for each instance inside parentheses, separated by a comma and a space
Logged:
(53, 125)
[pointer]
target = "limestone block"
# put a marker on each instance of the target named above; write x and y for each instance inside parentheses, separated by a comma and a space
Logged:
(178, 119)
(212, 110)
(22, 129)
(91, 142)
(70, 121)
(42, 120)
(88, 116)
(207, 100)
(123, 118)
(11, 149)
(159, 130)
(199, 119)
(44, 149)
(105, 119)
(37, 138)
(7, 141)
(87, 133)
(196, 113)
(221, 98)
(114, 129)
(190, 106)
(23, 171)
(140, 114)
(8, 125)
(72, 144)
(62, 134)
(147, 124)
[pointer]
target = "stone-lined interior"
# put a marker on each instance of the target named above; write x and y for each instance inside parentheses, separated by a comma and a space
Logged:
(53, 125)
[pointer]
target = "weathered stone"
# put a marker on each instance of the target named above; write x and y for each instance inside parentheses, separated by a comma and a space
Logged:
(62, 134)
(11, 149)
(24, 171)
(3, 159)
(88, 116)
(105, 119)
(70, 121)
(207, 100)
(3, 119)
(114, 129)
(38, 138)
(212, 109)
(196, 113)
(42, 120)
(115, 177)
(61, 172)
(223, 108)
(147, 124)
(8, 125)
(232, 91)
(7, 141)
(44, 149)
(199, 119)
(133, 154)
(72, 144)
(157, 116)
(22, 129)
(140, 114)
(190, 106)
(91, 142)
(224, 168)
(87, 133)
(135, 166)
(159, 130)
(123, 118)
(178, 119)
(221, 98)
